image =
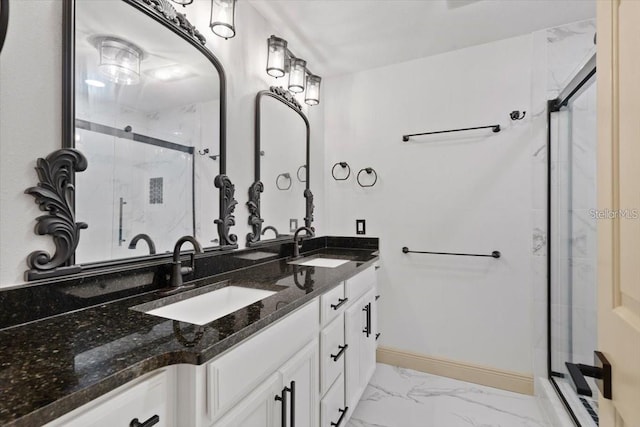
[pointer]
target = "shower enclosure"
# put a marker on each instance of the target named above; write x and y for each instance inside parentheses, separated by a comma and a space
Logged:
(572, 329)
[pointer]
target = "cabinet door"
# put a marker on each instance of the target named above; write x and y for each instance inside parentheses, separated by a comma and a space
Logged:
(367, 360)
(258, 409)
(354, 323)
(143, 400)
(300, 375)
(360, 362)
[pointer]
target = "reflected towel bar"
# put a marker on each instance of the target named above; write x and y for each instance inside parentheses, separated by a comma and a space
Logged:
(495, 128)
(494, 254)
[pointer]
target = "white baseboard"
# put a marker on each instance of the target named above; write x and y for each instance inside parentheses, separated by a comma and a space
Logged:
(505, 380)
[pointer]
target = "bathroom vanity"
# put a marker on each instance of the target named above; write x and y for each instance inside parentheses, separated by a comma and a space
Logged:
(301, 356)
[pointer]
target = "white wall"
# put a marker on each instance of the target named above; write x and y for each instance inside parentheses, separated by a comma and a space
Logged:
(30, 116)
(464, 192)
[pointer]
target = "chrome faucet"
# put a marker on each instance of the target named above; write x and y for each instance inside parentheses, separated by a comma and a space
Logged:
(296, 244)
(177, 270)
(146, 238)
(271, 227)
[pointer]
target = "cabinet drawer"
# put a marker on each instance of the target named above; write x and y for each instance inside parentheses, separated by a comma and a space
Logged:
(233, 375)
(332, 304)
(147, 397)
(332, 409)
(332, 353)
(360, 283)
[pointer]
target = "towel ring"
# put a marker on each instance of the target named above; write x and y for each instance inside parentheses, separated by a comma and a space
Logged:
(369, 171)
(344, 165)
(283, 175)
(298, 173)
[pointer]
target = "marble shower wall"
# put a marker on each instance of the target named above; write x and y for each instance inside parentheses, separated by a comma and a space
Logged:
(558, 54)
(125, 168)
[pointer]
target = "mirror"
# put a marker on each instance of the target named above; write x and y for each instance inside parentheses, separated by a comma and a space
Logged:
(144, 141)
(147, 118)
(281, 169)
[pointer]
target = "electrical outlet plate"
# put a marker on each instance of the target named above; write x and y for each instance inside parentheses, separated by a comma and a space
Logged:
(360, 226)
(293, 224)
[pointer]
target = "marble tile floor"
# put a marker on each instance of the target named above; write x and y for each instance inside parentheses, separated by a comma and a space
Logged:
(398, 397)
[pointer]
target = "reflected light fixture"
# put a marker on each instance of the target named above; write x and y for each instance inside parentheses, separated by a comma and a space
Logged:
(182, 2)
(94, 83)
(119, 60)
(170, 73)
(222, 21)
(281, 60)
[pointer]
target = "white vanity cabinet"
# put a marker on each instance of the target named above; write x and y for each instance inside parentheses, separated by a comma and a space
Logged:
(148, 400)
(281, 358)
(308, 369)
(360, 336)
(348, 348)
(291, 393)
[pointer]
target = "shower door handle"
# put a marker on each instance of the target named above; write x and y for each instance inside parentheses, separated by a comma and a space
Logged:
(601, 371)
(120, 239)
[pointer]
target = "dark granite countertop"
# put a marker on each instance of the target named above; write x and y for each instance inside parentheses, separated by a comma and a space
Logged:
(54, 365)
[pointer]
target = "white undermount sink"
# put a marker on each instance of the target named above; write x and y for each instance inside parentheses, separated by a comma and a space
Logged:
(321, 262)
(206, 308)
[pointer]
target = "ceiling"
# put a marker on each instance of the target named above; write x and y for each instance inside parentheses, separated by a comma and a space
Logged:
(344, 36)
(162, 49)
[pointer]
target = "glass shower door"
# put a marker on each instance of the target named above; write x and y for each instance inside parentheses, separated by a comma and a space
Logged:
(573, 251)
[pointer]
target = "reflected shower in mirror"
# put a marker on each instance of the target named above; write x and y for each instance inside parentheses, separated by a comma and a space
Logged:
(282, 138)
(147, 109)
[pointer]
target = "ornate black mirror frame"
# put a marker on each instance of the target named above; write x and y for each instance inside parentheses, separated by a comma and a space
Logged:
(255, 221)
(55, 192)
(4, 21)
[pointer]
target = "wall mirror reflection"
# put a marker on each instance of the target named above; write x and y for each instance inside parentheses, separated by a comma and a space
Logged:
(281, 169)
(147, 118)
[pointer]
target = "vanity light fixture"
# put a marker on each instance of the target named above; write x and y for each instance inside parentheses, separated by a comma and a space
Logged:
(222, 21)
(281, 60)
(119, 60)
(276, 56)
(297, 73)
(312, 95)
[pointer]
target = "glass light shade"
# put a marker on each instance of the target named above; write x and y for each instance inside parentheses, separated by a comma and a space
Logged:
(297, 75)
(120, 61)
(276, 56)
(312, 92)
(222, 21)
(182, 2)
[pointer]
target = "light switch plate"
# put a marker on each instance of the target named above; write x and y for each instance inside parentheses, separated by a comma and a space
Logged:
(293, 224)
(360, 226)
